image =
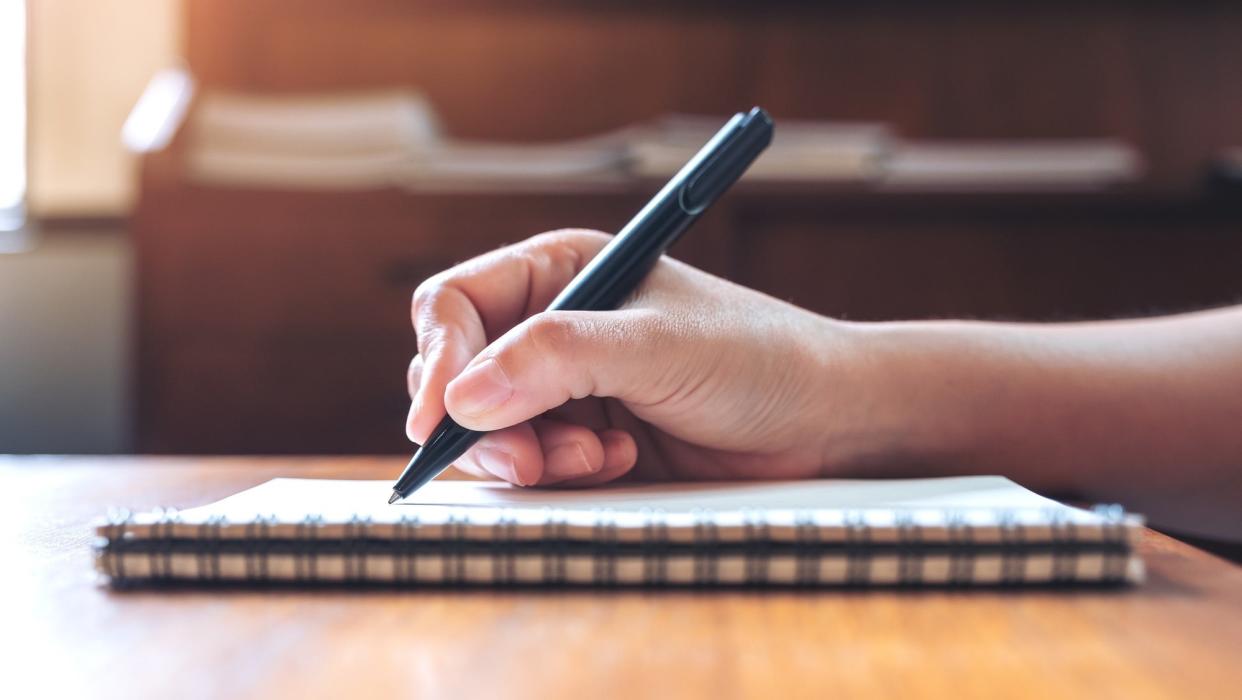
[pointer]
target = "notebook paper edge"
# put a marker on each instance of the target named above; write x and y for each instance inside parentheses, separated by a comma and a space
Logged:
(662, 488)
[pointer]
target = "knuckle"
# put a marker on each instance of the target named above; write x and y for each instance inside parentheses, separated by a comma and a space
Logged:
(547, 239)
(568, 237)
(433, 305)
(561, 260)
(427, 292)
(535, 257)
(583, 233)
(430, 337)
(547, 249)
(564, 258)
(551, 334)
(557, 340)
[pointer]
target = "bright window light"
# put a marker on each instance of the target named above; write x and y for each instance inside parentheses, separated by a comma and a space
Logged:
(12, 108)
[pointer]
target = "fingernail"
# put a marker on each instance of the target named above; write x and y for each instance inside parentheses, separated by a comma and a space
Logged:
(567, 461)
(481, 388)
(499, 463)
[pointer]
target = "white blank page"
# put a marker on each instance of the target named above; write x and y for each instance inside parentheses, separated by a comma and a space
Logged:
(291, 500)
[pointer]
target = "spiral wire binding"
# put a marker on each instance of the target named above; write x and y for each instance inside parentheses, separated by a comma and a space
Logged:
(167, 538)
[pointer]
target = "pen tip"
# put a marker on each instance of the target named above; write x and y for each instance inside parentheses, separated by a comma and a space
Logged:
(394, 498)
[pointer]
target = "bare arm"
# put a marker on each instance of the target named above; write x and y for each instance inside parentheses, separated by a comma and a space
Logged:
(1144, 412)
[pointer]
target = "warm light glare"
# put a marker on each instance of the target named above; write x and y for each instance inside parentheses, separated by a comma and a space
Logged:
(153, 120)
(12, 103)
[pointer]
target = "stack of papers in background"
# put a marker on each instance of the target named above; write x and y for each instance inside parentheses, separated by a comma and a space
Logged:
(800, 150)
(323, 141)
(369, 140)
(350, 124)
(472, 164)
(1053, 166)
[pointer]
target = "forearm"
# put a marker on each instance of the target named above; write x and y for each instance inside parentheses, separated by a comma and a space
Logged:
(1147, 412)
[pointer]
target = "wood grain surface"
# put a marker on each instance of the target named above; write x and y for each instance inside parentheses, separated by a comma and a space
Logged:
(62, 634)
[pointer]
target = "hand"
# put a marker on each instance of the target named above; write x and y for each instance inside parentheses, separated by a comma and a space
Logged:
(693, 378)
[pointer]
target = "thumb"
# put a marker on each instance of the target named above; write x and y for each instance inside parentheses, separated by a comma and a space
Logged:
(556, 356)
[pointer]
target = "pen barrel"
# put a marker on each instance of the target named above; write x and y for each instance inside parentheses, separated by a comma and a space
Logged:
(619, 269)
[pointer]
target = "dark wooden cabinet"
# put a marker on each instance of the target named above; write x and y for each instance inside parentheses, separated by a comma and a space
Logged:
(1023, 258)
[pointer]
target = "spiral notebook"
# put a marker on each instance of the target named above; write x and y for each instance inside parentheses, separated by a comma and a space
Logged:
(961, 531)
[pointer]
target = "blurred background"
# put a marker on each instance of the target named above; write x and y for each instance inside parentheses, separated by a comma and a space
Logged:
(213, 212)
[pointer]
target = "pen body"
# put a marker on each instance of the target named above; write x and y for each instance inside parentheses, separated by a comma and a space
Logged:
(620, 267)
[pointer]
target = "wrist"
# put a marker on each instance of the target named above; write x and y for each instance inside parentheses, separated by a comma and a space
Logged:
(899, 399)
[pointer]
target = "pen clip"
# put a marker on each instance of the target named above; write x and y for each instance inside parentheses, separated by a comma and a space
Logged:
(729, 155)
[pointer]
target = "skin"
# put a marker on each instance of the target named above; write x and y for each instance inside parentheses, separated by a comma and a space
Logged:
(698, 378)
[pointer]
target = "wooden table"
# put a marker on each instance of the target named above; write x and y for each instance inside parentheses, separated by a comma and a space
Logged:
(1180, 635)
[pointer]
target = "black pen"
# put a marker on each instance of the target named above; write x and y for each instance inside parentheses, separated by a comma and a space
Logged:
(620, 267)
